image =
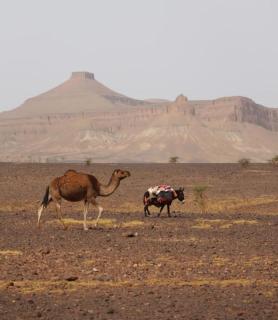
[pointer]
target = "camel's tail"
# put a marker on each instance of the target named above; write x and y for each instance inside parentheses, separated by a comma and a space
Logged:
(46, 199)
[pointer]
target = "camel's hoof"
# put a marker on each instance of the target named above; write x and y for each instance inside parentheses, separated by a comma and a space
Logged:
(86, 229)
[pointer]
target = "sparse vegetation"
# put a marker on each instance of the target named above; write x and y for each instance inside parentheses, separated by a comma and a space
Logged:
(88, 162)
(244, 162)
(274, 160)
(238, 211)
(200, 197)
(174, 159)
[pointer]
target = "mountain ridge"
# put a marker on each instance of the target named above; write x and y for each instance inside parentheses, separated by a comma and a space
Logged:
(82, 118)
(73, 95)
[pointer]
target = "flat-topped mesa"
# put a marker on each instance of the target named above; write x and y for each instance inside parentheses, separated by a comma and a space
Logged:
(82, 75)
(181, 104)
(181, 100)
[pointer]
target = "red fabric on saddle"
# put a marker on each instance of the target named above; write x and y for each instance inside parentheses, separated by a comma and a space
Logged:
(165, 187)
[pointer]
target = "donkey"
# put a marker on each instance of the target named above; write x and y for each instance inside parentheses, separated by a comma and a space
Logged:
(162, 200)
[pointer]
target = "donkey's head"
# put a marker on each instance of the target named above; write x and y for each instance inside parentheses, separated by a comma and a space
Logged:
(180, 194)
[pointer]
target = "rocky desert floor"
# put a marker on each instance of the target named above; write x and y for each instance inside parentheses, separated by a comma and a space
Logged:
(217, 262)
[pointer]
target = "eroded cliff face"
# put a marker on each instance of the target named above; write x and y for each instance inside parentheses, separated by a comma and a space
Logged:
(248, 111)
(238, 109)
(82, 119)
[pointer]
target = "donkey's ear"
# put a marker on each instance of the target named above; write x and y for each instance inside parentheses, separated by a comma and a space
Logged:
(181, 188)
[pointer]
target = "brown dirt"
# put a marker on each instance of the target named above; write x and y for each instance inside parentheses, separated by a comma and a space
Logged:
(221, 264)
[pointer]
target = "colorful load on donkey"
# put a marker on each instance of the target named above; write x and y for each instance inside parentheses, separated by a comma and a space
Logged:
(162, 193)
(160, 196)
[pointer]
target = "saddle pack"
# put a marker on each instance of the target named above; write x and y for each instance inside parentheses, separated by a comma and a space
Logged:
(165, 197)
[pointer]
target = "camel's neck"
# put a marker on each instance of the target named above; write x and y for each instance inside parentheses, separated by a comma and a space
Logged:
(106, 190)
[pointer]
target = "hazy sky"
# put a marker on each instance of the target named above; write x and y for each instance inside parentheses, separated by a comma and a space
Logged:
(142, 48)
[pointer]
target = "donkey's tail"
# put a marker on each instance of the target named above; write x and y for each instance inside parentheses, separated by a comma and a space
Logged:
(145, 197)
(46, 198)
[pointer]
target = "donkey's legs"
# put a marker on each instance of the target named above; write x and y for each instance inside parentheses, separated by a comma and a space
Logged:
(168, 210)
(86, 207)
(146, 210)
(161, 210)
(59, 212)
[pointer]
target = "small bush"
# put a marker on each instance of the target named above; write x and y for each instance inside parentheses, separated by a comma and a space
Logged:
(200, 197)
(274, 160)
(244, 162)
(174, 159)
(88, 162)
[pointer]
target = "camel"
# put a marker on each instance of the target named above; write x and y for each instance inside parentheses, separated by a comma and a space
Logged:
(77, 186)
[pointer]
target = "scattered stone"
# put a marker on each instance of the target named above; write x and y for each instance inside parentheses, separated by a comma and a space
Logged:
(104, 277)
(45, 251)
(72, 278)
(39, 314)
(132, 234)
(111, 311)
(10, 284)
(95, 269)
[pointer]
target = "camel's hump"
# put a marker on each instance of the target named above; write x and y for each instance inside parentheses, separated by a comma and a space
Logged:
(70, 172)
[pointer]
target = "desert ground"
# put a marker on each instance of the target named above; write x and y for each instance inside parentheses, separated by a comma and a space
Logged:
(219, 261)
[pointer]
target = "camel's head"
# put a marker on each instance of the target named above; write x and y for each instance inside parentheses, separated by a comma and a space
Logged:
(121, 174)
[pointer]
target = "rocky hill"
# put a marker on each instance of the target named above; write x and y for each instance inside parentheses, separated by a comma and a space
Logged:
(83, 119)
(80, 93)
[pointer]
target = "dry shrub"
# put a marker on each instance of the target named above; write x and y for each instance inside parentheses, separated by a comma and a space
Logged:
(174, 159)
(88, 162)
(274, 160)
(244, 162)
(200, 197)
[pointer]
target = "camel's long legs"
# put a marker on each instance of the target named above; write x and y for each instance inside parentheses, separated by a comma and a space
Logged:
(86, 207)
(100, 210)
(40, 213)
(59, 214)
